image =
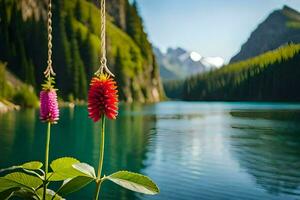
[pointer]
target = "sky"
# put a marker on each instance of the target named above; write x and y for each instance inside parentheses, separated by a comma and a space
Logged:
(209, 27)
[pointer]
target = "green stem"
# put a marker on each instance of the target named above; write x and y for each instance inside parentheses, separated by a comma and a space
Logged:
(98, 190)
(101, 156)
(46, 159)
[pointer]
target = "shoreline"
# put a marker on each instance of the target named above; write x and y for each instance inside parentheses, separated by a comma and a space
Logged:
(6, 106)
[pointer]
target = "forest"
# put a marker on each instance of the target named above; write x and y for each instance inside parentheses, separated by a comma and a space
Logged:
(272, 76)
(76, 48)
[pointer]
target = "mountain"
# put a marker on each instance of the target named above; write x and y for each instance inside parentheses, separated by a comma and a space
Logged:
(272, 76)
(178, 63)
(280, 27)
(76, 46)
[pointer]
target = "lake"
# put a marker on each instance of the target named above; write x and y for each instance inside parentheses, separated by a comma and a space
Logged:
(191, 150)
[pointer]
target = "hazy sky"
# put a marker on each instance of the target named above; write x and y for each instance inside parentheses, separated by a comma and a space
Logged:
(209, 27)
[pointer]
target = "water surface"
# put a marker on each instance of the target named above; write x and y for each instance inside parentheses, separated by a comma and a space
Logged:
(191, 150)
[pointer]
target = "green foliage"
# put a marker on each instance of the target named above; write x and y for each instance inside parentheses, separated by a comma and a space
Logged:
(62, 169)
(85, 169)
(76, 47)
(129, 180)
(7, 193)
(19, 178)
(73, 185)
(34, 165)
(293, 24)
(271, 76)
(136, 30)
(75, 175)
(49, 84)
(25, 96)
(120, 67)
(30, 181)
(62, 52)
(13, 90)
(50, 194)
(11, 183)
(89, 51)
(174, 88)
(5, 90)
(79, 77)
(135, 182)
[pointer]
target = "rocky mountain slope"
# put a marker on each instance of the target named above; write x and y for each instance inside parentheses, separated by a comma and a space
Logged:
(14, 90)
(76, 44)
(281, 27)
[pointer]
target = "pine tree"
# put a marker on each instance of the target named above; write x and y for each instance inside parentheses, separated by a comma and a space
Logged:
(62, 61)
(38, 52)
(136, 31)
(89, 56)
(30, 74)
(78, 10)
(26, 66)
(4, 35)
(119, 67)
(2, 81)
(92, 28)
(79, 75)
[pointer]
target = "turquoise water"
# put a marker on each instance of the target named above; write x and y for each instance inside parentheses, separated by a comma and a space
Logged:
(191, 150)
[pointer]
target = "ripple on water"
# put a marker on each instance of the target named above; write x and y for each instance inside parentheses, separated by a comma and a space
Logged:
(192, 150)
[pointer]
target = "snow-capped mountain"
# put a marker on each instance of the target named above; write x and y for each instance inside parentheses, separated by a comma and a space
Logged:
(179, 63)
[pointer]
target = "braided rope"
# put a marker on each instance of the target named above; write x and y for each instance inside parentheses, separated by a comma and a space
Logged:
(49, 70)
(103, 61)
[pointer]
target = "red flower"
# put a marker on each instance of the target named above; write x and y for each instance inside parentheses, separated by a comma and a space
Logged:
(103, 98)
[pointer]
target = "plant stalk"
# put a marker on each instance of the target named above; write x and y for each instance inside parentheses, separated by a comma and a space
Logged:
(101, 156)
(46, 159)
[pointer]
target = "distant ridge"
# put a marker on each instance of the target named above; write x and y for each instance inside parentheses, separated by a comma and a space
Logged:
(271, 76)
(279, 28)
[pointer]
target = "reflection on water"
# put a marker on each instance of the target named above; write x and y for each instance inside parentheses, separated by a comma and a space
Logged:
(16, 127)
(192, 150)
(267, 146)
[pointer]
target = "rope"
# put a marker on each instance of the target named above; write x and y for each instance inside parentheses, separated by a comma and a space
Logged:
(49, 70)
(103, 61)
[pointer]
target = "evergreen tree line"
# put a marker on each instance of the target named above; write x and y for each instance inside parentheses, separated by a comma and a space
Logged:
(76, 48)
(272, 76)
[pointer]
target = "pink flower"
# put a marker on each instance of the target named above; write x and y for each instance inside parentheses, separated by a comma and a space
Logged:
(49, 111)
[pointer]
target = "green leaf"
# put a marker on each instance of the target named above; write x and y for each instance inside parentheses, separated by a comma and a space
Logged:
(23, 179)
(35, 173)
(62, 163)
(8, 184)
(7, 193)
(24, 194)
(135, 182)
(85, 169)
(72, 185)
(17, 180)
(10, 168)
(35, 165)
(62, 169)
(50, 194)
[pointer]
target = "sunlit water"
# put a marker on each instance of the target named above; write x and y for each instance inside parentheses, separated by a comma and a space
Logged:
(191, 150)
